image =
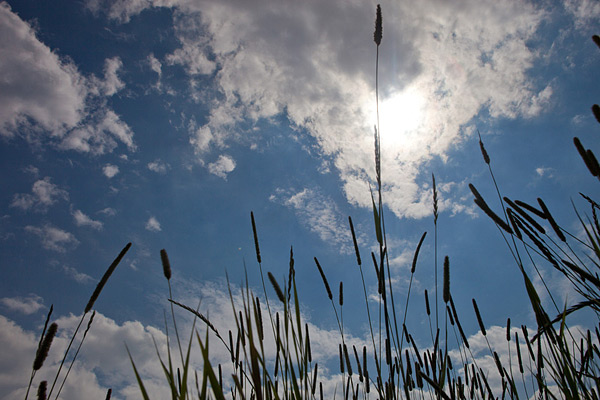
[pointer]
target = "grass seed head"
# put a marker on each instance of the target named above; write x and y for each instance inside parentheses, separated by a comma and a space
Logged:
(42, 353)
(446, 279)
(327, 288)
(276, 287)
(596, 40)
(378, 35)
(596, 111)
(479, 320)
(358, 260)
(104, 279)
(255, 237)
(484, 153)
(435, 199)
(41, 393)
(165, 263)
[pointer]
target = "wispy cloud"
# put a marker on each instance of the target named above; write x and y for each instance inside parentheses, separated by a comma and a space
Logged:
(317, 213)
(43, 194)
(222, 167)
(53, 238)
(27, 305)
(82, 219)
(30, 169)
(153, 225)
(108, 211)
(76, 275)
(584, 11)
(110, 170)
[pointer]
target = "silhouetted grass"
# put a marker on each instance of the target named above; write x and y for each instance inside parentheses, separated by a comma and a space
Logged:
(549, 361)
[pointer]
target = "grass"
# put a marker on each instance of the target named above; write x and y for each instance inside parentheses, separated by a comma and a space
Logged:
(546, 361)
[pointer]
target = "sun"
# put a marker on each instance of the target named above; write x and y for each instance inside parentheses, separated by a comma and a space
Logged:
(401, 114)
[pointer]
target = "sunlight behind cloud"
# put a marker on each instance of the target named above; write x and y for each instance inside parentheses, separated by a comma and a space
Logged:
(400, 116)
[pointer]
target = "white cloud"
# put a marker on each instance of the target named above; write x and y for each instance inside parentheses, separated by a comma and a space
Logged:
(121, 10)
(36, 84)
(45, 99)
(223, 166)
(155, 64)
(27, 305)
(441, 64)
(319, 214)
(82, 219)
(108, 211)
(158, 166)
(153, 225)
(112, 82)
(98, 136)
(584, 12)
(110, 170)
(496, 339)
(102, 363)
(544, 171)
(76, 275)
(44, 193)
(192, 56)
(30, 169)
(53, 238)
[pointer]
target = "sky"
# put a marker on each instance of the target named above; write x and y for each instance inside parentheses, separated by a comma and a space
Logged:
(164, 123)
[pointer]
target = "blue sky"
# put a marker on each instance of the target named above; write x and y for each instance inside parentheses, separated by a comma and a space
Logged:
(164, 123)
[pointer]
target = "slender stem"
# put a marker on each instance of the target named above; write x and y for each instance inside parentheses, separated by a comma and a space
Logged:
(66, 353)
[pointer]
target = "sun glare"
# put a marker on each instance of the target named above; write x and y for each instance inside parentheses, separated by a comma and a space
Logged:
(400, 115)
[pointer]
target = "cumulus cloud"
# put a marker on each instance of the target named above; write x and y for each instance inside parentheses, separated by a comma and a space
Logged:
(222, 167)
(44, 98)
(82, 219)
(43, 194)
(53, 238)
(495, 339)
(36, 84)
(158, 166)
(102, 363)
(26, 305)
(153, 225)
(98, 136)
(112, 83)
(441, 65)
(110, 170)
